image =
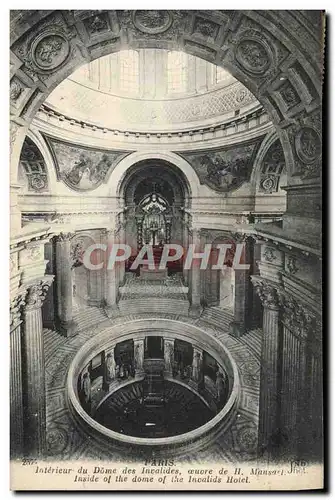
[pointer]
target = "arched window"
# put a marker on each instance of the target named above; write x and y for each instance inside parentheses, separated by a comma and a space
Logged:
(129, 71)
(177, 71)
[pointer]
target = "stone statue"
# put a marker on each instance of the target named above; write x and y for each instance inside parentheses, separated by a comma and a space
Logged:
(110, 366)
(86, 385)
(138, 356)
(220, 386)
(196, 367)
(169, 355)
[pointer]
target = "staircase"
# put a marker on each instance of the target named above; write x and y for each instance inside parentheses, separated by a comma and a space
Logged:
(218, 317)
(253, 340)
(154, 305)
(153, 390)
(88, 316)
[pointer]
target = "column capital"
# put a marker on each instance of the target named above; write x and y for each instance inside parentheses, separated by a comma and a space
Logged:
(298, 319)
(36, 293)
(16, 308)
(267, 292)
(64, 236)
(240, 237)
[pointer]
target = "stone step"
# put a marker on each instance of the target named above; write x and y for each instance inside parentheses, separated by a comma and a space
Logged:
(218, 317)
(154, 305)
(253, 340)
(89, 316)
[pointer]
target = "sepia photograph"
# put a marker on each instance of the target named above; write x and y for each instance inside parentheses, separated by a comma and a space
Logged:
(166, 249)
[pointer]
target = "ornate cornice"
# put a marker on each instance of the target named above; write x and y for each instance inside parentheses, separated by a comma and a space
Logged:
(249, 126)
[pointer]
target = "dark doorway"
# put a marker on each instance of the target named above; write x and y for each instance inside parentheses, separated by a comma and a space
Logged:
(154, 348)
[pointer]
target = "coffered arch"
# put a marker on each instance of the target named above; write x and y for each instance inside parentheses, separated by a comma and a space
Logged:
(277, 55)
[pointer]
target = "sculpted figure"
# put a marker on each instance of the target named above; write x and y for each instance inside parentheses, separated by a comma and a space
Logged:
(111, 366)
(196, 368)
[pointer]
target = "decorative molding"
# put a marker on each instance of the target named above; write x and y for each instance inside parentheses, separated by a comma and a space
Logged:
(97, 24)
(248, 125)
(35, 253)
(308, 145)
(291, 265)
(205, 28)
(152, 22)
(16, 89)
(289, 95)
(269, 254)
(50, 50)
(272, 166)
(253, 54)
(34, 166)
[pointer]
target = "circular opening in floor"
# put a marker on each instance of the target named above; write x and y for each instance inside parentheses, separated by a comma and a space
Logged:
(169, 409)
(159, 383)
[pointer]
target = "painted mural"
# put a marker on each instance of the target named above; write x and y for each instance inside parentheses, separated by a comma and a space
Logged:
(82, 168)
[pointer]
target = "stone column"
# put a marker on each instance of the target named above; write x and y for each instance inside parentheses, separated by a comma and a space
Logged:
(168, 356)
(112, 287)
(298, 397)
(34, 371)
(195, 307)
(185, 243)
(197, 377)
(16, 396)
(122, 239)
(314, 384)
(243, 290)
(64, 285)
(139, 356)
(269, 437)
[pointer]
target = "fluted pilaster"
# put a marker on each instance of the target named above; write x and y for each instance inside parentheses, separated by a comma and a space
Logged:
(34, 372)
(301, 378)
(185, 243)
(269, 438)
(16, 396)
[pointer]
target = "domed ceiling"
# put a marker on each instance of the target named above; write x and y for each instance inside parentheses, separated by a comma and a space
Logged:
(151, 89)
